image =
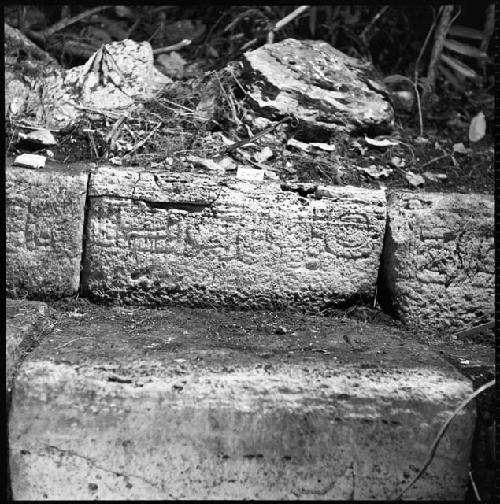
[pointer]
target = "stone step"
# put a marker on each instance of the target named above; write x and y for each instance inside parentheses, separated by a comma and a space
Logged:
(155, 237)
(133, 403)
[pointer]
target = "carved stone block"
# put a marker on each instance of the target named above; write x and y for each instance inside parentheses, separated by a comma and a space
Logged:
(202, 240)
(439, 258)
(44, 221)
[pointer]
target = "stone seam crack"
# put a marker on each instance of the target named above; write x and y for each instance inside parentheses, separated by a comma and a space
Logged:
(95, 465)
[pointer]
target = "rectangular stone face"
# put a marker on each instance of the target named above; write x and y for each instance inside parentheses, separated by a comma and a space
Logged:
(182, 407)
(154, 237)
(439, 258)
(44, 223)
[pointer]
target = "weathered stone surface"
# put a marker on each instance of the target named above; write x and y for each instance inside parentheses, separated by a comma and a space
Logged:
(112, 79)
(177, 404)
(439, 258)
(25, 320)
(44, 223)
(319, 85)
(203, 240)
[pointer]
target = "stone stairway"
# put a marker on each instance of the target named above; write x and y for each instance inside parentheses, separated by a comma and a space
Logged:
(139, 399)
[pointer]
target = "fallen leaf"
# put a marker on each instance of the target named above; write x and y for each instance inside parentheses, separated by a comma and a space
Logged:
(421, 140)
(172, 64)
(323, 146)
(397, 162)
(263, 155)
(460, 148)
(297, 144)
(414, 179)
(384, 142)
(477, 127)
(207, 163)
(227, 163)
(41, 137)
(435, 177)
(271, 175)
(376, 172)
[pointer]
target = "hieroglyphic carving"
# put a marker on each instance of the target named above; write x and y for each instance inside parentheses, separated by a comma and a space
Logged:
(249, 238)
(45, 213)
(441, 257)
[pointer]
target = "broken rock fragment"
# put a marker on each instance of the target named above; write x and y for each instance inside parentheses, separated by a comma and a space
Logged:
(319, 85)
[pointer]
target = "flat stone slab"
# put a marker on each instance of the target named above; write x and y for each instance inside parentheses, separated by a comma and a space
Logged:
(128, 403)
(44, 224)
(439, 258)
(203, 240)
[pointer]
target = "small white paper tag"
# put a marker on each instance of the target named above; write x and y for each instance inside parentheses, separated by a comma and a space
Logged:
(30, 161)
(253, 174)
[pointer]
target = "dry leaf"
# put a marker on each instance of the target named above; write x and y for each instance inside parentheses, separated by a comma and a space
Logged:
(41, 137)
(414, 179)
(384, 142)
(376, 172)
(297, 144)
(460, 148)
(262, 156)
(435, 177)
(207, 163)
(397, 162)
(323, 146)
(477, 128)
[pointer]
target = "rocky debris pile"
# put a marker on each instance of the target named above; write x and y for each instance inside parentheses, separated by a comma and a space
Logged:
(113, 79)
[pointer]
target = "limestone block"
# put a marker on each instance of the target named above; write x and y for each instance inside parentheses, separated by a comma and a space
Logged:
(199, 239)
(142, 404)
(439, 258)
(25, 320)
(44, 224)
(322, 87)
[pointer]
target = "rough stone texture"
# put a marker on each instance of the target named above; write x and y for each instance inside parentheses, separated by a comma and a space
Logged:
(26, 320)
(439, 258)
(112, 79)
(44, 223)
(203, 240)
(319, 85)
(202, 404)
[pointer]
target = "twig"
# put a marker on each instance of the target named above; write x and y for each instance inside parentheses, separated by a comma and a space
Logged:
(373, 21)
(133, 27)
(439, 38)
(173, 47)
(285, 21)
(143, 141)
(462, 405)
(64, 23)
(415, 75)
(239, 144)
(436, 159)
(72, 341)
(290, 17)
(474, 487)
